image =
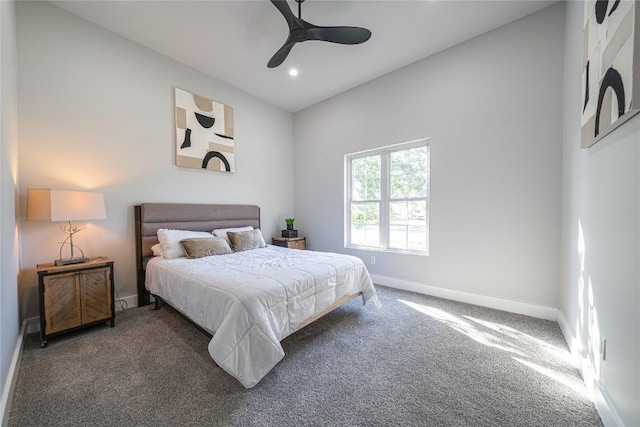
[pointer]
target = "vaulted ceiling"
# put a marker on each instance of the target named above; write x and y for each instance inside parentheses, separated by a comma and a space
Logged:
(234, 40)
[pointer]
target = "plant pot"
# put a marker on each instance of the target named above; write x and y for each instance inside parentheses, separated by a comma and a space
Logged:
(289, 233)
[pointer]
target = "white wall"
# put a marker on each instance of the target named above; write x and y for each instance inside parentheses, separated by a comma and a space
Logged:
(9, 248)
(600, 292)
(96, 112)
(492, 108)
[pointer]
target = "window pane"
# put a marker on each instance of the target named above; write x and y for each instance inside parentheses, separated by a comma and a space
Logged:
(388, 198)
(409, 173)
(365, 178)
(365, 224)
(408, 225)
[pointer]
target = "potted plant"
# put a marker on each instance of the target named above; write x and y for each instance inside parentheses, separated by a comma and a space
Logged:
(289, 222)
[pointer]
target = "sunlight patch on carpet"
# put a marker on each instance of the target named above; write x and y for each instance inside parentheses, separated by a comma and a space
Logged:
(458, 324)
(577, 386)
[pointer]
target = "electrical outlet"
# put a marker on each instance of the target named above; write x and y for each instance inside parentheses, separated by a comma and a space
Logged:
(603, 348)
(373, 260)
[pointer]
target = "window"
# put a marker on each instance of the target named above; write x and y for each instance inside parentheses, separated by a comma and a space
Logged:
(387, 198)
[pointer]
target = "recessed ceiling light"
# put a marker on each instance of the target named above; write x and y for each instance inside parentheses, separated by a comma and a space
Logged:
(293, 72)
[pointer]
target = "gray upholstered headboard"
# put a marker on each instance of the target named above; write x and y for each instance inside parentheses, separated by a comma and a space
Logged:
(150, 217)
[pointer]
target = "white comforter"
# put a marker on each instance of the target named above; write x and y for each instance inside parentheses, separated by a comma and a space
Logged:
(252, 300)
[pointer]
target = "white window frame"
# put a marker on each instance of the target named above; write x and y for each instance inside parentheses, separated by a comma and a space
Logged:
(385, 191)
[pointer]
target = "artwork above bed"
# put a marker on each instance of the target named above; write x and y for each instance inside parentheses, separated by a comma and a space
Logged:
(204, 133)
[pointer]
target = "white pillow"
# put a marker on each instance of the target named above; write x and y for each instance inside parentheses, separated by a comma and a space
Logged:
(170, 241)
(222, 232)
(156, 250)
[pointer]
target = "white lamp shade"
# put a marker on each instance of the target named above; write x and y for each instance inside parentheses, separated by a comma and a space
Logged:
(55, 205)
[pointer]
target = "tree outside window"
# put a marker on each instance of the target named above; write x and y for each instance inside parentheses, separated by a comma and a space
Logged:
(387, 198)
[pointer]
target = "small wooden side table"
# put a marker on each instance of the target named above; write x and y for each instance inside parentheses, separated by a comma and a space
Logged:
(75, 296)
(290, 242)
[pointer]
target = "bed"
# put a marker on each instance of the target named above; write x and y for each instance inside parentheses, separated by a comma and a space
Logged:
(248, 300)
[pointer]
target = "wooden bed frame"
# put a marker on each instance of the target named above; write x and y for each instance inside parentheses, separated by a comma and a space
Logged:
(150, 217)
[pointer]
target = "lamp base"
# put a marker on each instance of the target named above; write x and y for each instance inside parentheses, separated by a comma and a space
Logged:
(68, 261)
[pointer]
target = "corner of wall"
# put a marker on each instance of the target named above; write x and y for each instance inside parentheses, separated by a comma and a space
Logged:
(12, 376)
(541, 312)
(599, 274)
(10, 332)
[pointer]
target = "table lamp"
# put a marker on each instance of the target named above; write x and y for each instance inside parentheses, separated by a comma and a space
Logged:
(56, 205)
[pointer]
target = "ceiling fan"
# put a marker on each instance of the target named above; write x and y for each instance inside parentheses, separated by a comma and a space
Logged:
(300, 31)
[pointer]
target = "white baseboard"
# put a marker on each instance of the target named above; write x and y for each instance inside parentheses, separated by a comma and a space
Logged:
(606, 410)
(130, 301)
(33, 325)
(603, 404)
(12, 377)
(600, 398)
(542, 312)
(29, 326)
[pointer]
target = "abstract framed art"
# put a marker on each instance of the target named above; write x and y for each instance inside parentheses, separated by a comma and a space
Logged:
(204, 133)
(611, 61)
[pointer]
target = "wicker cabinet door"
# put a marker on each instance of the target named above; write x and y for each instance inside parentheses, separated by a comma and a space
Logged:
(62, 302)
(95, 286)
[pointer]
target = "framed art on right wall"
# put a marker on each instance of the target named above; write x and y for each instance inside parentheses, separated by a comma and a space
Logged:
(611, 73)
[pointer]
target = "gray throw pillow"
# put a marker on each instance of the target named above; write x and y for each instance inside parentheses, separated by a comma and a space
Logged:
(246, 240)
(205, 246)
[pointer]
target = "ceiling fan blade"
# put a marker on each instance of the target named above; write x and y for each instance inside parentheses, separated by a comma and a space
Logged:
(284, 8)
(301, 30)
(342, 35)
(280, 55)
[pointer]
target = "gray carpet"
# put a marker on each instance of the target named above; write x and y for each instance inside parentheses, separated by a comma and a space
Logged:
(418, 360)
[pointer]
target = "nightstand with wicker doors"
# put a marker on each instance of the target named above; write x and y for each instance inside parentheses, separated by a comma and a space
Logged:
(75, 296)
(290, 242)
